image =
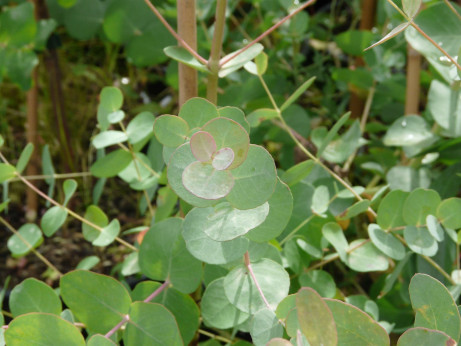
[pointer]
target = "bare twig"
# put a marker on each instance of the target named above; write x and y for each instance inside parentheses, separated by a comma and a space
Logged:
(267, 32)
(175, 35)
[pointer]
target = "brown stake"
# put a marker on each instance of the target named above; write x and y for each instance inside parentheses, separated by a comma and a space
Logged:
(357, 103)
(413, 81)
(187, 30)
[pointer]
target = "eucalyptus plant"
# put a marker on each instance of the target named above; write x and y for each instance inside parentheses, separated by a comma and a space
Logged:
(236, 243)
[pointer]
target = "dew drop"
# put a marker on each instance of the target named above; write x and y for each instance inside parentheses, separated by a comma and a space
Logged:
(404, 123)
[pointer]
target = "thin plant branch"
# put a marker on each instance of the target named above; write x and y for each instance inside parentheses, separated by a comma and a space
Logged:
(159, 290)
(69, 211)
(175, 35)
(34, 251)
(214, 336)
(267, 32)
(119, 325)
(435, 44)
(149, 168)
(307, 152)
(54, 176)
(246, 258)
(126, 318)
(450, 6)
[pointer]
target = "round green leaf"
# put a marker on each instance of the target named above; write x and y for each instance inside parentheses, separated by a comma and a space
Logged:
(242, 292)
(88, 262)
(203, 181)
(320, 200)
(181, 305)
(448, 213)
(52, 220)
(434, 228)
(202, 145)
(108, 234)
(418, 205)
(407, 130)
(98, 301)
(141, 127)
(255, 179)
(355, 327)
(81, 25)
(107, 138)
(115, 117)
(111, 164)
(315, 318)
(6, 172)
(42, 329)
(100, 340)
(424, 337)
(18, 25)
(386, 242)
(197, 112)
(180, 159)
(434, 306)
(355, 209)
(280, 209)
(170, 130)
(366, 258)
(69, 186)
(136, 172)
(264, 326)
(229, 134)
(29, 237)
(32, 295)
(24, 157)
(222, 222)
(147, 49)
(419, 240)
(217, 311)
(202, 247)
(235, 114)
(151, 324)
(321, 281)
(111, 99)
(124, 21)
(390, 209)
(335, 235)
(223, 158)
(95, 215)
(163, 255)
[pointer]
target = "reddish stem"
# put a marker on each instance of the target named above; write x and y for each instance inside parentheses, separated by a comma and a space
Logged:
(267, 32)
(175, 35)
(252, 274)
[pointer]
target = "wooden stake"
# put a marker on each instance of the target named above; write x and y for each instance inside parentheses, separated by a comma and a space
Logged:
(413, 81)
(187, 30)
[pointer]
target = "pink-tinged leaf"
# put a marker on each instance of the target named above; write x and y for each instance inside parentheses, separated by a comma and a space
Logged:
(394, 32)
(204, 181)
(202, 145)
(223, 158)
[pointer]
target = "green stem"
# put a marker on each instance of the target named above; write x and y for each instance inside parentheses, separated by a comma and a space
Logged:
(307, 152)
(213, 62)
(54, 176)
(267, 32)
(70, 212)
(35, 252)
